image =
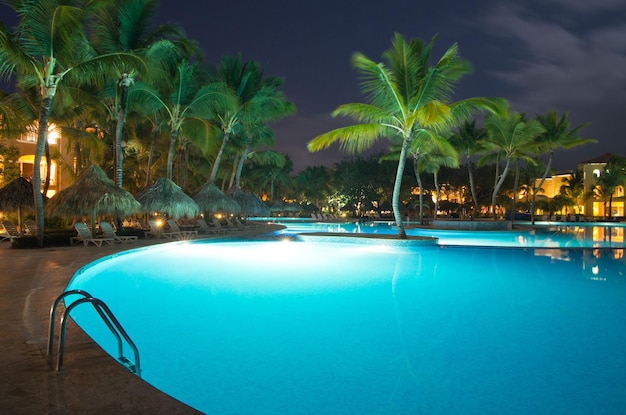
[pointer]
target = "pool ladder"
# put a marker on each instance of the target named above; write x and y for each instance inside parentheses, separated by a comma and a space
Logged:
(107, 317)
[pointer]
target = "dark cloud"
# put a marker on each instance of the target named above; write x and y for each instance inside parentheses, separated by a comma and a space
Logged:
(575, 65)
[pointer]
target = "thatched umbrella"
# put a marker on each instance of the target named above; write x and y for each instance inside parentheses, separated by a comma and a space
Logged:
(211, 199)
(250, 204)
(15, 196)
(165, 196)
(279, 206)
(93, 193)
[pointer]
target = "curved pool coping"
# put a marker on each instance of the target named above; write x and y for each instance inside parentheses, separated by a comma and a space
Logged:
(364, 238)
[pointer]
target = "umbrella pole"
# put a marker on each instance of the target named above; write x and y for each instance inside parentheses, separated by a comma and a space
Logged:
(19, 219)
(93, 222)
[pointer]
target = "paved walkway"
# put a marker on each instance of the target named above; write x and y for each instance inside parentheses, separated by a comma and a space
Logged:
(91, 382)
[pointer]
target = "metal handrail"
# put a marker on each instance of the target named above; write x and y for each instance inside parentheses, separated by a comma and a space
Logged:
(53, 310)
(107, 317)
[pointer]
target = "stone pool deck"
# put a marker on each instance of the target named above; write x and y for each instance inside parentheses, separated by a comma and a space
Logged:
(91, 382)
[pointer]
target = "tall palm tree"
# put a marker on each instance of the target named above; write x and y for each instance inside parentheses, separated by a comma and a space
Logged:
(258, 101)
(467, 141)
(268, 105)
(513, 137)
(188, 100)
(557, 135)
(406, 96)
(124, 26)
(50, 47)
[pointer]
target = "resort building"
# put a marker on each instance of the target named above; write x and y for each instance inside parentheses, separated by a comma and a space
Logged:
(26, 144)
(592, 169)
(589, 204)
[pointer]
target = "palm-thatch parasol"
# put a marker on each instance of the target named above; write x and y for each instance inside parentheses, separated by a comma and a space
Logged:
(92, 194)
(15, 196)
(211, 199)
(250, 204)
(165, 196)
(278, 206)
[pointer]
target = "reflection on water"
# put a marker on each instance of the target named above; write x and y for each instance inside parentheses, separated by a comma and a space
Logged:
(609, 235)
(597, 264)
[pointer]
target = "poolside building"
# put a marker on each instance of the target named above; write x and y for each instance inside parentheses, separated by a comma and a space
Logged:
(594, 206)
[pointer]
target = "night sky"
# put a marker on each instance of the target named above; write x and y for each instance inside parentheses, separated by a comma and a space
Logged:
(564, 55)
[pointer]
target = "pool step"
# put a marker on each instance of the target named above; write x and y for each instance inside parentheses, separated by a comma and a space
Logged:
(128, 364)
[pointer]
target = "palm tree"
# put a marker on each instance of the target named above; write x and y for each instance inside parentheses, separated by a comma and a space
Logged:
(188, 100)
(258, 101)
(405, 97)
(467, 141)
(512, 137)
(574, 189)
(268, 105)
(49, 47)
(557, 135)
(431, 162)
(613, 176)
(313, 183)
(124, 26)
(272, 169)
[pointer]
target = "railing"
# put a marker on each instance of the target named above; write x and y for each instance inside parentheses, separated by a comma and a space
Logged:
(107, 317)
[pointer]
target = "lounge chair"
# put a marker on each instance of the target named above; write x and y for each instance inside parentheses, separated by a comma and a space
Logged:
(31, 228)
(231, 225)
(205, 228)
(9, 232)
(109, 232)
(181, 233)
(219, 225)
(157, 231)
(85, 236)
(245, 224)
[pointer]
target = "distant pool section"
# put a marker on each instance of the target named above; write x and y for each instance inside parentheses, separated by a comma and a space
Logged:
(280, 326)
(564, 235)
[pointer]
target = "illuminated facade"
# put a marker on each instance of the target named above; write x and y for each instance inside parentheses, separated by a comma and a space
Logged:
(592, 206)
(26, 144)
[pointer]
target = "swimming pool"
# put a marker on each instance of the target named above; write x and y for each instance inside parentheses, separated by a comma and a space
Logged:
(271, 326)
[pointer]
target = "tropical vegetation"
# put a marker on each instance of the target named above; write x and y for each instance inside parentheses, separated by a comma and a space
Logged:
(139, 101)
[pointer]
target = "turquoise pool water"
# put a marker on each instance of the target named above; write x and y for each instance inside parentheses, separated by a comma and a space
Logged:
(270, 326)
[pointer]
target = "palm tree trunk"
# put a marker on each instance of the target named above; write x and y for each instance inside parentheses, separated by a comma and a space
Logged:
(244, 157)
(515, 186)
(495, 182)
(46, 184)
(218, 158)
(170, 154)
(497, 187)
(233, 174)
(421, 195)
(395, 200)
(472, 186)
(119, 128)
(537, 188)
(436, 195)
(155, 134)
(42, 137)
(79, 158)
